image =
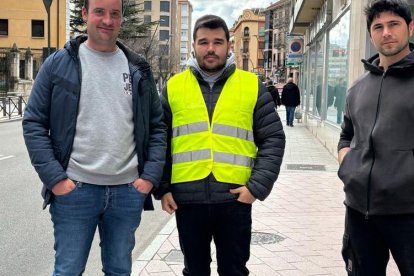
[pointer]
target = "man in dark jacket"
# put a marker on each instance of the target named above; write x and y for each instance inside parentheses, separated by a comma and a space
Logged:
(94, 132)
(376, 148)
(274, 92)
(226, 145)
(290, 99)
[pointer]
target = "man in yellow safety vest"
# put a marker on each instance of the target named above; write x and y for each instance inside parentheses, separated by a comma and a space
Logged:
(225, 148)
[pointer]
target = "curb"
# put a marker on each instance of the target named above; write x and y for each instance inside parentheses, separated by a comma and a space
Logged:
(141, 262)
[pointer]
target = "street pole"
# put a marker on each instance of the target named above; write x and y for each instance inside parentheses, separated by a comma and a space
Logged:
(47, 4)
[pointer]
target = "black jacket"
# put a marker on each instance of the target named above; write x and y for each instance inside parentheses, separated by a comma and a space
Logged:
(290, 95)
(50, 116)
(378, 171)
(275, 94)
(269, 138)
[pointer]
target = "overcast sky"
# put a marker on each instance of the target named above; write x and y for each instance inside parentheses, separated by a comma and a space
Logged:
(229, 10)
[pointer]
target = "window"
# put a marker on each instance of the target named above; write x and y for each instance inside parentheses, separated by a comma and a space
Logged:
(245, 64)
(147, 18)
(164, 21)
(245, 47)
(147, 6)
(164, 35)
(38, 28)
(22, 72)
(184, 10)
(164, 50)
(261, 45)
(4, 27)
(164, 6)
(246, 31)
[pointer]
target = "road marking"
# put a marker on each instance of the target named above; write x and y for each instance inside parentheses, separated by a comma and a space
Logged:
(2, 157)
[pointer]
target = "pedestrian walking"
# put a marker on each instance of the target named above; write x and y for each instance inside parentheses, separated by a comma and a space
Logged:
(274, 92)
(290, 99)
(376, 148)
(94, 132)
(226, 145)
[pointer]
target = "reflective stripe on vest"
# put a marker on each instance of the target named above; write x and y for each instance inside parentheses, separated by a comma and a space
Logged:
(190, 128)
(226, 146)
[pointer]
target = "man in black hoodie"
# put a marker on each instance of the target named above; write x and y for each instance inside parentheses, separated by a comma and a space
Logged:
(376, 148)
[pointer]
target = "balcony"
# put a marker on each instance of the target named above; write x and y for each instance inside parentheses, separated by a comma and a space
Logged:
(304, 13)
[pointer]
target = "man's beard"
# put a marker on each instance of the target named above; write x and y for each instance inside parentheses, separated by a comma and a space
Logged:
(213, 70)
(393, 52)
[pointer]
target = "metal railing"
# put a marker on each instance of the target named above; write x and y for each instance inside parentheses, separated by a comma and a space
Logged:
(12, 106)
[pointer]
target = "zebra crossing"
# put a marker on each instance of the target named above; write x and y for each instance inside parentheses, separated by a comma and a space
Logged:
(4, 157)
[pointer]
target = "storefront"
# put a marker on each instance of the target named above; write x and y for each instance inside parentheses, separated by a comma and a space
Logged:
(335, 42)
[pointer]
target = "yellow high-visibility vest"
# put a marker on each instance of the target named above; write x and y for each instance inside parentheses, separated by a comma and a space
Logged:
(226, 146)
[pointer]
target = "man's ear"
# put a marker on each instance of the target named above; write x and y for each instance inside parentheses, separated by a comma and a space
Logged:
(84, 14)
(410, 28)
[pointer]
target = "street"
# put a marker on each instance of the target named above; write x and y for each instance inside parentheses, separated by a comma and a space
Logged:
(26, 232)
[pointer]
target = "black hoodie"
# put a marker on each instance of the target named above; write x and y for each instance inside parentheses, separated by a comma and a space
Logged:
(378, 171)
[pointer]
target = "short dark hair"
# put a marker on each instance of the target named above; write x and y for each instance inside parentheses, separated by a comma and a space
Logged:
(398, 7)
(211, 22)
(86, 4)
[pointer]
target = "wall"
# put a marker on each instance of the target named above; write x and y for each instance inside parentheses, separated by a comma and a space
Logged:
(21, 13)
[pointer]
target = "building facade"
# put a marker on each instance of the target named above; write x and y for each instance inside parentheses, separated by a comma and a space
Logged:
(24, 39)
(277, 27)
(183, 43)
(248, 40)
(159, 49)
(336, 39)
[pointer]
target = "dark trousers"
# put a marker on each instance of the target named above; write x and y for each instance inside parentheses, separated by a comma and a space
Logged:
(229, 224)
(367, 243)
(290, 115)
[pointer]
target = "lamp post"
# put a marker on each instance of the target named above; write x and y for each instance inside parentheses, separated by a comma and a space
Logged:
(47, 4)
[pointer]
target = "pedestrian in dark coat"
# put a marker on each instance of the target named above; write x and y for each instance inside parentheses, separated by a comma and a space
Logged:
(290, 99)
(274, 92)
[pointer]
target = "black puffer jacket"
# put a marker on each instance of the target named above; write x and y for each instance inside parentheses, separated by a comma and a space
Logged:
(378, 171)
(269, 138)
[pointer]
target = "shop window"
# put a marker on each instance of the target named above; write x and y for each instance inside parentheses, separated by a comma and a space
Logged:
(337, 73)
(318, 84)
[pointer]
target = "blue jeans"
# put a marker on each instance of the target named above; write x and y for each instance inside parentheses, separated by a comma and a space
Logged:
(290, 115)
(115, 210)
(229, 224)
(367, 243)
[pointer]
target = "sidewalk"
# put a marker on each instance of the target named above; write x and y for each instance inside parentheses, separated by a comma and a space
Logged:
(297, 230)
